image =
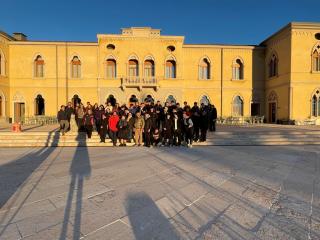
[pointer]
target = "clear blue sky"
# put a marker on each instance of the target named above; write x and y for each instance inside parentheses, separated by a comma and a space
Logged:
(200, 21)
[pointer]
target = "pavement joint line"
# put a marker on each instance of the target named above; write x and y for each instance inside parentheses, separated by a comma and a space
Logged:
(199, 198)
(310, 214)
(100, 228)
(99, 193)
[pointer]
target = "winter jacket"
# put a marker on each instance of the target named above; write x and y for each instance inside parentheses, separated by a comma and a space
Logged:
(113, 123)
(139, 123)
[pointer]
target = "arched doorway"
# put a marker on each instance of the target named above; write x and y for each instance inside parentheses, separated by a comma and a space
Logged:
(272, 107)
(149, 99)
(237, 106)
(75, 100)
(39, 105)
(133, 99)
(171, 100)
(111, 99)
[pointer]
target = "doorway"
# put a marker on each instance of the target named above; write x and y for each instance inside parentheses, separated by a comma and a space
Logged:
(19, 111)
(272, 112)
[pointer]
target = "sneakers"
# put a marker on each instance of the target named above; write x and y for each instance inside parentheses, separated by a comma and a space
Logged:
(189, 145)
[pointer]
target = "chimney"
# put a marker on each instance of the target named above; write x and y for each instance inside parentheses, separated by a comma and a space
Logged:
(19, 36)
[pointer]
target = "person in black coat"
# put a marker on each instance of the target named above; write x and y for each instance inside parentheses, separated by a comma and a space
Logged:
(213, 119)
(177, 129)
(88, 122)
(204, 122)
(168, 130)
(195, 111)
(63, 120)
(147, 129)
(69, 111)
(103, 127)
(187, 129)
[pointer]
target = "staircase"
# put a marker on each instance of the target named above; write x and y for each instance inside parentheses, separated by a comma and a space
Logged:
(223, 137)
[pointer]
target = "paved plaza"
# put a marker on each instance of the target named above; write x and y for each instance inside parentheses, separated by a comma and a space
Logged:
(207, 192)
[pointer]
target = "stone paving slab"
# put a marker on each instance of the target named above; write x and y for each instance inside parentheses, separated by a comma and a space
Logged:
(168, 193)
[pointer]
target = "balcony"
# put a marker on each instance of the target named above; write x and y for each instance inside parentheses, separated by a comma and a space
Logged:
(137, 82)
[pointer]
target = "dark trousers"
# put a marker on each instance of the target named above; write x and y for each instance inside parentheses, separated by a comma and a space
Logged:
(196, 130)
(212, 125)
(203, 136)
(80, 124)
(147, 136)
(98, 125)
(89, 129)
(103, 133)
(155, 142)
(177, 137)
(113, 137)
(188, 136)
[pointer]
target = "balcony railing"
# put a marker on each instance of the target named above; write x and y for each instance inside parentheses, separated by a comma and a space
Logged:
(138, 82)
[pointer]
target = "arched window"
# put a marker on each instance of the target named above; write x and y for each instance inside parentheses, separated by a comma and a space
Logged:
(204, 69)
(75, 100)
(171, 99)
(315, 105)
(149, 68)
(171, 69)
(237, 106)
(39, 105)
(133, 68)
(133, 99)
(39, 67)
(205, 100)
(75, 67)
(111, 99)
(316, 59)
(237, 70)
(111, 68)
(273, 66)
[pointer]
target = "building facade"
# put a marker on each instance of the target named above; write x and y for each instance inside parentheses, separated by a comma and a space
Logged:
(278, 79)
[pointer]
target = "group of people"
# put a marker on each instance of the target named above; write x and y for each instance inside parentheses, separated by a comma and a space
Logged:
(146, 123)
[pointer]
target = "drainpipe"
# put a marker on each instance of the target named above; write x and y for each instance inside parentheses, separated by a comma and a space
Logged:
(221, 86)
(67, 97)
(57, 79)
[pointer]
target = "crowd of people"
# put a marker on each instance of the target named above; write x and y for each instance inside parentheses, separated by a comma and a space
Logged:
(147, 123)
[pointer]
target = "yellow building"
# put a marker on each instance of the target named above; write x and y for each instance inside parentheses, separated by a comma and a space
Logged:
(278, 79)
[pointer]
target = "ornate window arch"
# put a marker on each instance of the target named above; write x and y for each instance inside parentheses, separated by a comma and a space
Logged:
(238, 69)
(38, 65)
(237, 106)
(2, 64)
(273, 65)
(315, 104)
(205, 68)
(111, 67)
(316, 58)
(76, 67)
(273, 97)
(170, 67)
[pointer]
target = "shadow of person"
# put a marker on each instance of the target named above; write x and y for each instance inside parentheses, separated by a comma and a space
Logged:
(146, 219)
(15, 175)
(80, 170)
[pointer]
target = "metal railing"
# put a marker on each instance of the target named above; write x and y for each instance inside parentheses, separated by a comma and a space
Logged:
(39, 120)
(139, 82)
(240, 120)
